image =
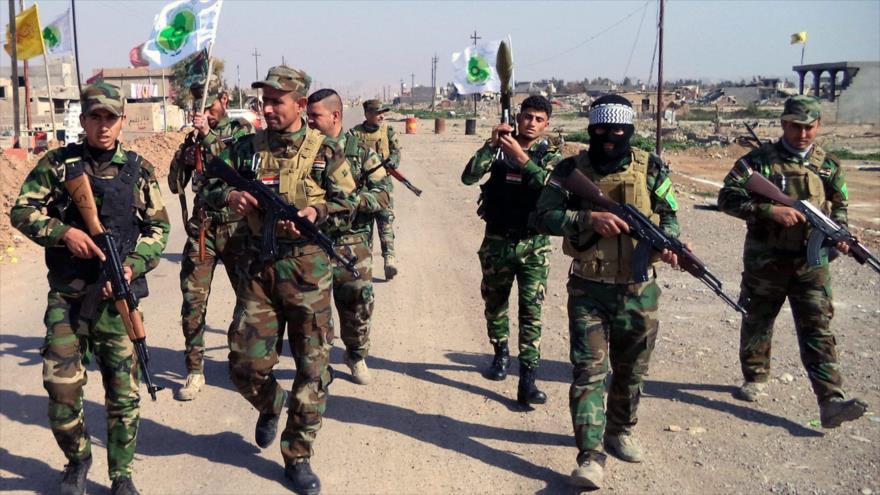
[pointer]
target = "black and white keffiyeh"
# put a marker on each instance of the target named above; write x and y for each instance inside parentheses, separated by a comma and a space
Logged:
(611, 114)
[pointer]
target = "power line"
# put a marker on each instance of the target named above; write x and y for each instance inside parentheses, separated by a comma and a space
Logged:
(609, 28)
(654, 56)
(636, 41)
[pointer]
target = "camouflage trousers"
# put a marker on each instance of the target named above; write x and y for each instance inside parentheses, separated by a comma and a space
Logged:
(385, 227)
(354, 299)
(527, 261)
(225, 242)
(68, 339)
(612, 325)
(294, 289)
(767, 281)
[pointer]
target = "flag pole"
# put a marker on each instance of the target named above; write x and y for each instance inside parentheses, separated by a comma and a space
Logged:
(16, 105)
(49, 91)
(76, 47)
(208, 76)
(803, 47)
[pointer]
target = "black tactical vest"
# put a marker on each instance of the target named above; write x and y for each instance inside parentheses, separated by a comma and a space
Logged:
(506, 200)
(116, 211)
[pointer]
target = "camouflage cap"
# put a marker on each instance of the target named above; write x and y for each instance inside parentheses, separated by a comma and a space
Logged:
(374, 106)
(284, 78)
(801, 109)
(102, 95)
(197, 90)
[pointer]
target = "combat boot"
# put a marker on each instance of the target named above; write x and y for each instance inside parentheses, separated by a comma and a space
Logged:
(390, 266)
(835, 411)
(751, 391)
(73, 479)
(267, 427)
(590, 472)
(360, 374)
(123, 486)
(527, 392)
(304, 481)
(625, 447)
(194, 383)
(501, 362)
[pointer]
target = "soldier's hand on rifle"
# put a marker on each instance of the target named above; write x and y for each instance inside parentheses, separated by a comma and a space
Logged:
(786, 215)
(309, 213)
(107, 290)
(498, 131)
(512, 150)
(200, 123)
(669, 257)
(842, 247)
(242, 202)
(607, 224)
(81, 245)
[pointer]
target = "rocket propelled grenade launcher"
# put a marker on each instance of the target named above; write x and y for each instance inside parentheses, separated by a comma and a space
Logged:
(504, 68)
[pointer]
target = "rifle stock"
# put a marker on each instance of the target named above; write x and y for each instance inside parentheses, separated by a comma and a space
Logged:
(393, 172)
(125, 301)
(649, 237)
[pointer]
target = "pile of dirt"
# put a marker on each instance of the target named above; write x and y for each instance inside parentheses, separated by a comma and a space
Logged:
(12, 174)
(158, 149)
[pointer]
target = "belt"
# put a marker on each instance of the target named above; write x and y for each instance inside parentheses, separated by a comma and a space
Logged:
(348, 239)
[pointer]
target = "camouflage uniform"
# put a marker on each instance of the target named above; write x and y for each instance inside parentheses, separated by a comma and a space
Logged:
(511, 252)
(79, 324)
(775, 265)
(354, 296)
(384, 141)
(294, 288)
(226, 236)
(611, 317)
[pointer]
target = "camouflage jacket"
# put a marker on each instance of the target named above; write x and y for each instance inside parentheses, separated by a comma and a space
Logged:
(340, 204)
(735, 200)
(183, 163)
(535, 174)
(393, 142)
(554, 216)
(43, 190)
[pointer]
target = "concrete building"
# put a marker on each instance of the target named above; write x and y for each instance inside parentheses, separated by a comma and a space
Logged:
(851, 90)
(139, 83)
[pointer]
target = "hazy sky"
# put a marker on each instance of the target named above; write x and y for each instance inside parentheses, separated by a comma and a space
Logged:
(368, 44)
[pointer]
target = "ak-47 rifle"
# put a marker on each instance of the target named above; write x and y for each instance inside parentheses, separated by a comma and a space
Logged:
(124, 299)
(826, 232)
(648, 235)
(274, 209)
(754, 136)
(504, 68)
(393, 172)
(201, 214)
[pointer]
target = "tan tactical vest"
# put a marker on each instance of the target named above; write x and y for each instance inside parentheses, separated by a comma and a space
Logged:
(610, 259)
(801, 182)
(376, 140)
(289, 171)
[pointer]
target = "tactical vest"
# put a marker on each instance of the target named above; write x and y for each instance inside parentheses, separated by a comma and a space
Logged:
(376, 140)
(506, 201)
(609, 259)
(116, 211)
(800, 180)
(288, 172)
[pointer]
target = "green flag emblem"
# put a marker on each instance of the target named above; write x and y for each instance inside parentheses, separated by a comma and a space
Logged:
(478, 70)
(174, 36)
(52, 36)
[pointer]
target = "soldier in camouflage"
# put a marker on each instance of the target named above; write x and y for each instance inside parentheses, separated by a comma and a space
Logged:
(612, 318)
(774, 259)
(380, 137)
(225, 233)
(81, 320)
(353, 295)
(511, 250)
(295, 288)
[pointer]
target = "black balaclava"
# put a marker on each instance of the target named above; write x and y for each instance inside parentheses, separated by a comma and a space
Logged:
(610, 111)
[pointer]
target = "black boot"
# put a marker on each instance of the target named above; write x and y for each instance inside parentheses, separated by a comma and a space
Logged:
(303, 480)
(267, 426)
(501, 362)
(123, 486)
(73, 479)
(527, 393)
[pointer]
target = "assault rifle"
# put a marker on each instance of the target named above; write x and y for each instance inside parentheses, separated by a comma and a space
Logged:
(201, 214)
(393, 172)
(124, 299)
(275, 209)
(648, 235)
(826, 232)
(755, 137)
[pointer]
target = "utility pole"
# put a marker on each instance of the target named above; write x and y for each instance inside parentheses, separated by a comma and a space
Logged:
(76, 47)
(283, 62)
(659, 146)
(16, 117)
(475, 38)
(256, 55)
(433, 80)
(412, 93)
(238, 83)
(401, 91)
(27, 89)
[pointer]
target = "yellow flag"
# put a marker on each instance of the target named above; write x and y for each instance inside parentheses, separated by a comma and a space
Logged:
(29, 37)
(800, 37)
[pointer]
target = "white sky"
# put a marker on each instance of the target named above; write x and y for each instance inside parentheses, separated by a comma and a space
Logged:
(361, 46)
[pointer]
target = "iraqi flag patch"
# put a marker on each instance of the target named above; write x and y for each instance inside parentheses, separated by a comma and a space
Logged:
(270, 181)
(514, 178)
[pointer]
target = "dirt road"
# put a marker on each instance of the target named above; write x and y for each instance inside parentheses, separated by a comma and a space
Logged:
(430, 422)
